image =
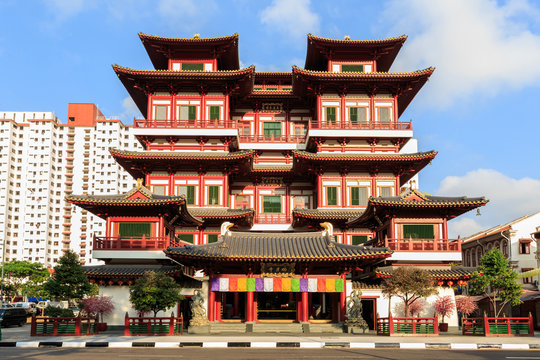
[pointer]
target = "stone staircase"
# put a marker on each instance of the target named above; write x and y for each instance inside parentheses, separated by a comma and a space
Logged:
(293, 328)
(230, 328)
(331, 328)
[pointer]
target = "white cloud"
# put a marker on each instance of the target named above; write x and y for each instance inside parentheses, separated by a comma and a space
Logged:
(479, 47)
(509, 199)
(186, 15)
(293, 19)
(130, 110)
(63, 9)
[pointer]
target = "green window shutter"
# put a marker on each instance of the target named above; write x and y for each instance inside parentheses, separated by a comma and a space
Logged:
(331, 196)
(134, 229)
(271, 128)
(384, 114)
(214, 112)
(353, 115)
(188, 192)
(358, 239)
(352, 68)
(272, 204)
(418, 231)
(331, 114)
(186, 237)
(213, 195)
(193, 66)
(212, 238)
(355, 199)
(192, 113)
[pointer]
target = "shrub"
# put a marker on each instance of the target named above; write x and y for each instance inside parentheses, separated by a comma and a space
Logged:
(53, 311)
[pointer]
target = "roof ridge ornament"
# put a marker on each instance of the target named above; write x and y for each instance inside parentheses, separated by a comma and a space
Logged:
(347, 37)
(328, 229)
(225, 228)
(140, 183)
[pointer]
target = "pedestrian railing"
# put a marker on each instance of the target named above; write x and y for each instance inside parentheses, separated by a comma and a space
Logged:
(415, 326)
(498, 326)
(143, 326)
(63, 326)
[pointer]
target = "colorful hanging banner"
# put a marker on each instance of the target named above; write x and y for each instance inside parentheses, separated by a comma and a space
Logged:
(268, 284)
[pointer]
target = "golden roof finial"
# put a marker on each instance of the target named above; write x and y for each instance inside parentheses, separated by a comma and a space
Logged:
(347, 37)
(140, 183)
(196, 36)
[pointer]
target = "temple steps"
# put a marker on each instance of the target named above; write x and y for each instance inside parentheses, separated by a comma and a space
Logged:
(333, 328)
(294, 328)
(217, 328)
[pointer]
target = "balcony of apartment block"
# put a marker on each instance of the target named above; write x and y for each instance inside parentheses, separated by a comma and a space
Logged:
(70, 150)
(323, 128)
(430, 249)
(130, 247)
(222, 127)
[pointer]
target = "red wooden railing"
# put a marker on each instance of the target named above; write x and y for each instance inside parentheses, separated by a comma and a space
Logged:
(498, 326)
(133, 243)
(144, 326)
(272, 138)
(63, 326)
(272, 219)
(450, 245)
(367, 125)
(419, 326)
(185, 124)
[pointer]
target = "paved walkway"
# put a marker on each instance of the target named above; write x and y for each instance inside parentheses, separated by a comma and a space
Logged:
(20, 337)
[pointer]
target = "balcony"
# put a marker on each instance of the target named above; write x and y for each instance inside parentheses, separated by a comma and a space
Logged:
(133, 243)
(368, 125)
(272, 219)
(431, 245)
(185, 124)
(297, 139)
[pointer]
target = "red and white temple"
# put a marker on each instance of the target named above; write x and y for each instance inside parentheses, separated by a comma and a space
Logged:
(278, 192)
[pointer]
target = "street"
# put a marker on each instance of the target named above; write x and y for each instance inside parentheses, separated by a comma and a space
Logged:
(283, 354)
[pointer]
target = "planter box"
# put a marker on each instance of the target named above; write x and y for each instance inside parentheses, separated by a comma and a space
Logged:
(63, 326)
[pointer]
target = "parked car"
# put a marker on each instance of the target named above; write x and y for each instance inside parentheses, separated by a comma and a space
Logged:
(75, 309)
(12, 316)
(29, 307)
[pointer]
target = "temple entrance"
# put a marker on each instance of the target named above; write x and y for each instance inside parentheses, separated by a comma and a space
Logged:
(322, 309)
(369, 309)
(276, 306)
(233, 306)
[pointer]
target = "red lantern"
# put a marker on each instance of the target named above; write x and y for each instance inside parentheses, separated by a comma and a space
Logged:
(450, 283)
(120, 282)
(440, 283)
(111, 282)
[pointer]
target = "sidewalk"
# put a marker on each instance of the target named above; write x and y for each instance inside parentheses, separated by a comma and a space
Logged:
(20, 337)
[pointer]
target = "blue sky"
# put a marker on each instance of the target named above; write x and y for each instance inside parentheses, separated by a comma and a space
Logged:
(478, 109)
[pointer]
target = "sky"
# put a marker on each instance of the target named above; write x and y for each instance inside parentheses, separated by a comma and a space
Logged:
(478, 109)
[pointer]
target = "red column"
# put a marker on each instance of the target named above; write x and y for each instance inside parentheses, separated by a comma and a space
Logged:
(173, 108)
(372, 110)
(150, 116)
(255, 199)
(374, 184)
(394, 107)
(200, 239)
(203, 107)
(211, 305)
(287, 199)
(444, 234)
(343, 189)
(257, 124)
(287, 124)
(398, 185)
(217, 313)
(342, 111)
(161, 228)
(319, 191)
(319, 111)
(201, 190)
(249, 306)
(171, 183)
(226, 188)
(226, 112)
(305, 307)
(108, 227)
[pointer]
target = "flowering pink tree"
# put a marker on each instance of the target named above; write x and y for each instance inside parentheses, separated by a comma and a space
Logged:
(415, 308)
(466, 305)
(444, 306)
(97, 305)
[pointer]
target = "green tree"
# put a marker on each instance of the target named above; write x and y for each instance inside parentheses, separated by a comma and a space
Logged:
(409, 284)
(25, 277)
(69, 281)
(496, 280)
(154, 292)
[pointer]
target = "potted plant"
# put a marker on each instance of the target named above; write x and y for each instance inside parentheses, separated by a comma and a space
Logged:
(98, 306)
(444, 306)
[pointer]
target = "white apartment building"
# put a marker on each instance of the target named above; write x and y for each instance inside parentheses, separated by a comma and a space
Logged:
(41, 161)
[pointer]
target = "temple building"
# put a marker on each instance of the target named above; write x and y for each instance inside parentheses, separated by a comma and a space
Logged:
(273, 193)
